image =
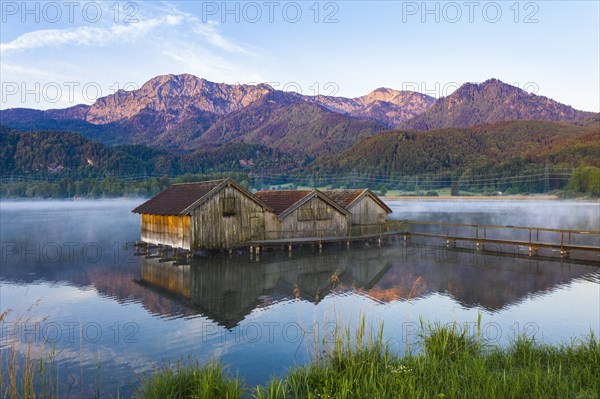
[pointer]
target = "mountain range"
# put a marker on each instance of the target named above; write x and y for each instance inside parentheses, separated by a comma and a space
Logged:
(184, 113)
(180, 124)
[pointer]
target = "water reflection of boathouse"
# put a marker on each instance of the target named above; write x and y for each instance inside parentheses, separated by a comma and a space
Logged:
(227, 289)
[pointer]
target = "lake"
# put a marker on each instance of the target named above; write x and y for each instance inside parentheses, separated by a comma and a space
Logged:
(72, 282)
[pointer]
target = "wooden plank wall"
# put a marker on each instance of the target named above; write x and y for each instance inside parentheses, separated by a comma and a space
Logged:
(293, 226)
(166, 230)
(211, 230)
(367, 211)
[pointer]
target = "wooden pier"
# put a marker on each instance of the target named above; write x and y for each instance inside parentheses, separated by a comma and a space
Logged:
(533, 238)
(560, 242)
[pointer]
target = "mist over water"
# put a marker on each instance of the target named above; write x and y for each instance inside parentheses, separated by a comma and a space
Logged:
(547, 214)
(99, 302)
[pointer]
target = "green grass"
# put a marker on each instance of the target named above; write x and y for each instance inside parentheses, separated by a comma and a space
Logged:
(192, 380)
(450, 364)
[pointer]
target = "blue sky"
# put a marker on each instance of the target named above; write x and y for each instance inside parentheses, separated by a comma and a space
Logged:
(57, 54)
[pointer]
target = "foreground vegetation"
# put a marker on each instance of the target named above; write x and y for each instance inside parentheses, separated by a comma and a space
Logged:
(452, 364)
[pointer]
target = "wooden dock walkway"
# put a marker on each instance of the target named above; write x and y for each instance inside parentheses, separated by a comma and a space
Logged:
(564, 240)
(485, 237)
(534, 238)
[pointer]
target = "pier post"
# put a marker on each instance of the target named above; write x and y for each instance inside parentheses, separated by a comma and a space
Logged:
(562, 238)
(484, 238)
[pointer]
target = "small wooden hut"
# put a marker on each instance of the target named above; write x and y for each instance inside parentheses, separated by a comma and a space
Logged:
(365, 207)
(218, 214)
(305, 213)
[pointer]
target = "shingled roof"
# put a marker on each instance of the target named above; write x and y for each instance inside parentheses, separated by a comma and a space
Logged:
(177, 198)
(346, 197)
(284, 202)
(281, 200)
(343, 197)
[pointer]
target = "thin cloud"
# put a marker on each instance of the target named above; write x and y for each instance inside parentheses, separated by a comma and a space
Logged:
(119, 33)
(87, 35)
(209, 32)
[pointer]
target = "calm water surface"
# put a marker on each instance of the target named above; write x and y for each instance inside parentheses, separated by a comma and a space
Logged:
(70, 279)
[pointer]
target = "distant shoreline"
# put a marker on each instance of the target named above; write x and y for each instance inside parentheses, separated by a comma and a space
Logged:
(534, 197)
(487, 198)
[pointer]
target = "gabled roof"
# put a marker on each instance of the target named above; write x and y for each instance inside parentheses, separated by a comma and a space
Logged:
(347, 198)
(285, 202)
(181, 199)
(343, 197)
(281, 200)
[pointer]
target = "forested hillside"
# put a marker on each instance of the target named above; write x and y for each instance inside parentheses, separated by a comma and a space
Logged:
(506, 149)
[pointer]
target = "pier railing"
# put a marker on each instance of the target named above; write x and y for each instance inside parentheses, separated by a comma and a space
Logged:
(357, 230)
(534, 238)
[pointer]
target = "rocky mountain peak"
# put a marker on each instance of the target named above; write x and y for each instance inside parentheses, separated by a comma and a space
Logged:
(490, 102)
(175, 95)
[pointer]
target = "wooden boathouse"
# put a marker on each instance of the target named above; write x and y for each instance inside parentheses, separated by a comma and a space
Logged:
(222, 215)
(304, 213)
(364, 206)
(218, 214)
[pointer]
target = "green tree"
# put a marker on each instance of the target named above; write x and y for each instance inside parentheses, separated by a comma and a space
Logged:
(383, 189)
(454, 190)
(585, 180)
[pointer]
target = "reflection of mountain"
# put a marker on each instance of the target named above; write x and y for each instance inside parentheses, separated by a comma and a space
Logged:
(228, 289)
(474, 280)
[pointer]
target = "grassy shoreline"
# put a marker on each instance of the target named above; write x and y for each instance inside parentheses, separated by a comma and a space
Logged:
(452, 364)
